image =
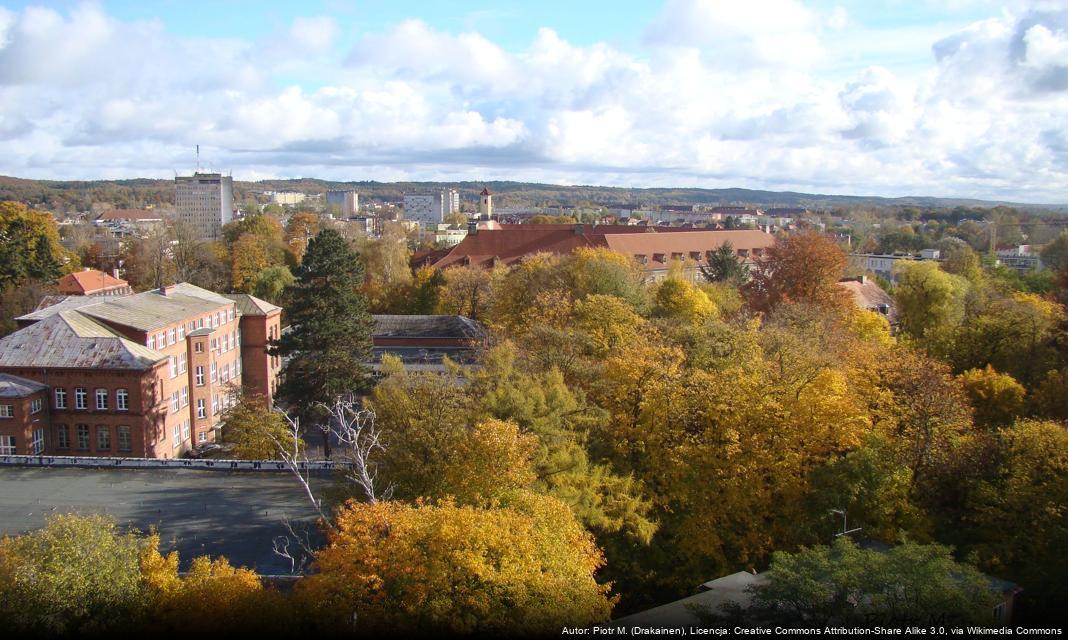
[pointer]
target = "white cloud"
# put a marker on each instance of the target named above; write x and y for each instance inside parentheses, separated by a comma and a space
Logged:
(723, 94)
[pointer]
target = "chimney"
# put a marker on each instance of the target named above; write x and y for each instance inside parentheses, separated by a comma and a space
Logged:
(862, 279)
(167, 289)
(472, 228)
(578, 229)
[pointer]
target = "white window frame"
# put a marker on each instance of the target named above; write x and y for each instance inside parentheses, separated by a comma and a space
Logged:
(171, 336)
(151, 341)
(62, 437)
(81, 432)
(198, 377)
(37, 443)
(185, 396)
(175, 406)
(202, 410)
(7, 411)
(122, 399)
(101, 399)
(7, 445)
(61, 398)
(103, 437)
(36, 406)
(124, 439)
(81, 398)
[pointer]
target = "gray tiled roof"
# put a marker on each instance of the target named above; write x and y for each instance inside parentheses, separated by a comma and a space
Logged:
(151, 309)
(16, 387)
(51, 305)
(251, 305)
(70, 339)
(398, 326)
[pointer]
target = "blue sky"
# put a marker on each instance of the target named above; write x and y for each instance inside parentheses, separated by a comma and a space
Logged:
(889, 97)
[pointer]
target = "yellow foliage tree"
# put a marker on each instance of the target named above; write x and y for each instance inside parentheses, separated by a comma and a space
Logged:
(524, 567)
(997, 398)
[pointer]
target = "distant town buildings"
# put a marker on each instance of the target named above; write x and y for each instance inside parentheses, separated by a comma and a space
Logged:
(883, 264)
(347, 201)
(205, 201)
(1022, 258)
(126, 222)
(145, 375)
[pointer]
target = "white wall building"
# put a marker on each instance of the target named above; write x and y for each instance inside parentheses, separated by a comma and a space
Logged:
(286, 197)
(431, 209)
(205, 201)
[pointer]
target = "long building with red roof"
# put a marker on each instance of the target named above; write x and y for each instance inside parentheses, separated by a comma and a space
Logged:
(655, 248)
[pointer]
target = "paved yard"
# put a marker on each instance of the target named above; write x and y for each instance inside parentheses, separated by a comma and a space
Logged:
(235, 514)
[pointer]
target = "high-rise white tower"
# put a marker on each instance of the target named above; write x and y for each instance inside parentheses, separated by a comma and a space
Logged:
(205, 201)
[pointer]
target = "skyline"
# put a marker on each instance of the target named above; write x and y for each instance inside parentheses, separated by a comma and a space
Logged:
(965, 99)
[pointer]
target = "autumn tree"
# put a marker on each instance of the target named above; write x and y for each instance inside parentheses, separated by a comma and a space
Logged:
(77, 575)
(254, 429)
(300, 229)
(725, 266)
(271, 284)
(996, 397)
(248, 257)
(679, 299)
(930, 301)
(802, 267)
(466, 291)
(29, 246)
(1055, 254)
(525, 566)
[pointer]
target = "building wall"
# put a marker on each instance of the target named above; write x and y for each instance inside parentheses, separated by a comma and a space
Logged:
(24, 421)
(205, 201)
(261, 370)
(349, 201)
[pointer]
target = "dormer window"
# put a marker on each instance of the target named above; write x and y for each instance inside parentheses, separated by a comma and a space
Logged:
(660, 257)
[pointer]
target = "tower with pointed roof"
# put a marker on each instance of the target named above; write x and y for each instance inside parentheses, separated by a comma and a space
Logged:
(485, 204)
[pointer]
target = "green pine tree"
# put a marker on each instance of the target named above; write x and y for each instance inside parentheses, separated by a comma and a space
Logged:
(329, 341)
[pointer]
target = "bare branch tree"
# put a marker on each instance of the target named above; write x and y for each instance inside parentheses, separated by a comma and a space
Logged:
(359, 440)
(300, 536)
(292, 453)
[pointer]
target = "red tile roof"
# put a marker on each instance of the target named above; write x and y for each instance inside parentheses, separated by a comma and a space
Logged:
(82, 283)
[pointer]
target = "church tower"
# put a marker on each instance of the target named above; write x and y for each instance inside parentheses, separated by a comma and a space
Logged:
(485, 204)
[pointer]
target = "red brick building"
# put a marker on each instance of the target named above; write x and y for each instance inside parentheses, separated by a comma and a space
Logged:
(655, 248)
(145, 375)
(91, 282)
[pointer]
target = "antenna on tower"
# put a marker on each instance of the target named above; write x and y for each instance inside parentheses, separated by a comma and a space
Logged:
(198, 158)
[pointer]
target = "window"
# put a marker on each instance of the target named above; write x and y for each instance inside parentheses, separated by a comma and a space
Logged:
(122, 400)
(214, 372)
(176, 438)
(152, 342)
(231, 316)
(198, 347)
(185, 396)
(185, 430)
(7, 411)
(225, 372)
(202, 436)
(174, 402)
(199, 376)
(81, 398)
(37, 444)
(181, 333)
(225, 342)
(170, 337)
(124, 439)
(181, 363)
(161, 340)
(36, 405)
(202, 411)
(214, 344)
(83, 437)
(103, 437)
(214, 404)
(174, 366)
(62, 437)
(7, 445)
(101, 398)
(237, 367)
(61, 398)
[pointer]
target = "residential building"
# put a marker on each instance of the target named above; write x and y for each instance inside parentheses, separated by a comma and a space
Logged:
(127, 222)
(205, 201)
(884, 265)
(347, 201)
(655, 248)
(1022, 258)
(144, 375)
(23, 415)
(868, 295)
(431, 208)
(448, 235)
(90, 282)
(286, 197)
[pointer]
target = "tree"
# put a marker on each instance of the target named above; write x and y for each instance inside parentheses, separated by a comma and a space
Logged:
(680, 300)
(724, 266)
(255, 429)
(844, 584)
(930, 301)
(1055, 254)
(271, 284)
(329, 343)
(29, 246)
(248, 258)
(78, 575)
(803, 268)
(300, 229)
(524, 567)
(996, 397)
(467, 290)
(19, 299)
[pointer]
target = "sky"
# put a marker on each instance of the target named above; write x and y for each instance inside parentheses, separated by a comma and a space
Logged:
(952, 98)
